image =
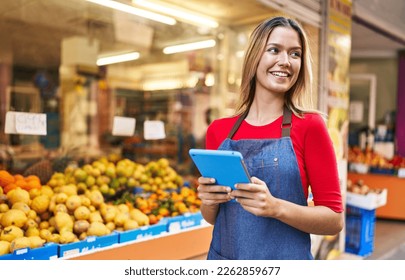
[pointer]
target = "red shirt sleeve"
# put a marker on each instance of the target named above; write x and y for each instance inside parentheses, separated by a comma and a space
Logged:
(321, 165)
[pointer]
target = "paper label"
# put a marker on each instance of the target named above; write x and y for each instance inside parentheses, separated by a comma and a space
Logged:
(123, 126)
(25, 123)
(154, 130)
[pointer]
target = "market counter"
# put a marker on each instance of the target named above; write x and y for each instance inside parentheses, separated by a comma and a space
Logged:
(182, 245)
(395, 206)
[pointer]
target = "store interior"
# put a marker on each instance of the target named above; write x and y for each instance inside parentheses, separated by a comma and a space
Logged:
(48, 50)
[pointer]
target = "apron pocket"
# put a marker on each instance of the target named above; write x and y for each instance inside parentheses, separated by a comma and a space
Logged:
(266, 169)
(263, 162)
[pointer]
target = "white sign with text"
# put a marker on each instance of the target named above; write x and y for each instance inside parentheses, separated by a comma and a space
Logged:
(154, 130)
(123, 126)
(25, 123)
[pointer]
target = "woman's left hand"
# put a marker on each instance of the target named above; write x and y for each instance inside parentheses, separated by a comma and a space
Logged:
(256, 198)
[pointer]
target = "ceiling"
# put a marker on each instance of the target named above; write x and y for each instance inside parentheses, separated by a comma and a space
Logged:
(31, 31)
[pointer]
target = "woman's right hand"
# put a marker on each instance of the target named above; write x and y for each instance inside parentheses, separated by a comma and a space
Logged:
(211, 194)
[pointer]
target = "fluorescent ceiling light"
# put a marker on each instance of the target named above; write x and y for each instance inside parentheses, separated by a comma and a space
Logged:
(189, 47)
(186, 16)
(134, 11)
(104, 60)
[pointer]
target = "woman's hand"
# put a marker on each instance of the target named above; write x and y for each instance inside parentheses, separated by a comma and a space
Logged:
(211, 194)
(256, 198)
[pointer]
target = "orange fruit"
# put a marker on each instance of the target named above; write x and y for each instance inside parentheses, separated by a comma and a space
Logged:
(33, 178)
(164, 212)
(21, 183)
(6, 178)
(9, 187)
(33, 184)
(152, 219)
(19, 177)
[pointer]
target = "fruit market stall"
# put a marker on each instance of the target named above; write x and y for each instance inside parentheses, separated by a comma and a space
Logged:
(379, 172)
(105, 209)
(395, 186)
(361, 204)
(185, 244)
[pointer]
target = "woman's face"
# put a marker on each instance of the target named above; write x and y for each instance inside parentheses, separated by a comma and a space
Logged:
(280, 63)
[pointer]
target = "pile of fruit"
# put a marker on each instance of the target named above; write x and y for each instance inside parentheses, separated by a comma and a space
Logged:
(359, 187)
(373, 159)
(9, 182)
(61, 215)
(112, 178)
(161, 204)
(92, 200)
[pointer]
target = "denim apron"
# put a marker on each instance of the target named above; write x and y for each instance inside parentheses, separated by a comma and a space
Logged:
(239, 234)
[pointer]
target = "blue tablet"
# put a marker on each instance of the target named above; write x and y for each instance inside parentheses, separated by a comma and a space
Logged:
(227, 167)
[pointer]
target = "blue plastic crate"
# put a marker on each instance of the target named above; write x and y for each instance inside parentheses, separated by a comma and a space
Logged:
(184, 221)
(142, 233)
(377, 170)
(47, 252)
(360, 228)
(107, 240)
(88, 244)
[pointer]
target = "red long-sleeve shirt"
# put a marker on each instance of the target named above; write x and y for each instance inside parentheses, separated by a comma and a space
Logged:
(312, 145)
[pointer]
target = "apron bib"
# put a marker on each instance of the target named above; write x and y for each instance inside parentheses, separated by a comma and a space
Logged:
(239, 234)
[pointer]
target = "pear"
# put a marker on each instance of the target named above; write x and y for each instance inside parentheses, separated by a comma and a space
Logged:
(36, 241)
(140, 217)
(14, 217)
(98, 229)
(19, 243)
(80, 226)
(10, 233)
(4, 247)
(82, 213)
(63, 222)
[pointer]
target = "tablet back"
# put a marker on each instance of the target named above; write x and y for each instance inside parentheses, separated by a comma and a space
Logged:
(227, 167)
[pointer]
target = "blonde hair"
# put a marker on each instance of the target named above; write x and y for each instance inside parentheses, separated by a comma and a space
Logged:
(299, 98)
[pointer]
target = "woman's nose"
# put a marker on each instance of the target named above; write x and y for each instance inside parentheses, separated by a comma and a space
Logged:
(283, 59)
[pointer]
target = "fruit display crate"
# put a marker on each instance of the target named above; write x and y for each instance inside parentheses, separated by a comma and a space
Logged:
(142, 233)
(49, 251)
(93, 243)
(360, 228)
(166, 225)
(378, 170)
(88, 244)
(368, 201)
(187, 220)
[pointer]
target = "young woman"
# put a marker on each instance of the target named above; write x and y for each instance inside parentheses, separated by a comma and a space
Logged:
(287, 149)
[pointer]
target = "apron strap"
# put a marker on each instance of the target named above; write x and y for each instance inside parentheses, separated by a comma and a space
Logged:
(237, 124)
(285, 126)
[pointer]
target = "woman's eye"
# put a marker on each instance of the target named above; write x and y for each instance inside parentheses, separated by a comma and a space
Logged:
(273, 50)
(296, 54)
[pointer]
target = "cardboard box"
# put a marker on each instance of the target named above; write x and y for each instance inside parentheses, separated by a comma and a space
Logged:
(368, 201)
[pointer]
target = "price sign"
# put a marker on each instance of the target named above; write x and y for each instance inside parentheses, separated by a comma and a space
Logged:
(154, 130)
(123, 126)
(25, 123)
